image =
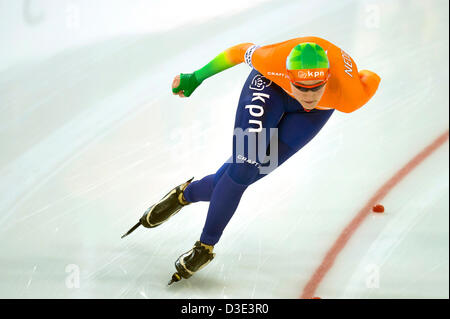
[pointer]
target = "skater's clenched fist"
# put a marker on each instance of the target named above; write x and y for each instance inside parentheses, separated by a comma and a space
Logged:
(175, 85)
(184, 84)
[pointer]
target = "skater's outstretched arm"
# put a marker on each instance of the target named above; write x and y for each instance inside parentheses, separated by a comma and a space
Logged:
(184, 84)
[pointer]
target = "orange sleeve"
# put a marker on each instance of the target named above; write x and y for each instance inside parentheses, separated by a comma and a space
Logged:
(236, 53)
(226, 59)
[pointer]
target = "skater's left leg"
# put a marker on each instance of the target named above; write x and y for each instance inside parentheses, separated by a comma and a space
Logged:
(295, 130)
(225, 199)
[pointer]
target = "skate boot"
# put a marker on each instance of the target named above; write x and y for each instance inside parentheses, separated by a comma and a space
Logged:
(192, 261)
(168, 206)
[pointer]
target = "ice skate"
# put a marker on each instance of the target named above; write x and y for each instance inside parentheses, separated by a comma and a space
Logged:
(168, 206)
(192, 261)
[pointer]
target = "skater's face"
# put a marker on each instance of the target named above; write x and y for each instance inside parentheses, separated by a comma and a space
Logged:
(308, 98)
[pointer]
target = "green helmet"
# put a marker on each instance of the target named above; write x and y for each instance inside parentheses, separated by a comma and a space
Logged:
(307, 55)
(307, 61)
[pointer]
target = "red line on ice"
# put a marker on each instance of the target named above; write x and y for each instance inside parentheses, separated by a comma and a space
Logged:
(339, 244)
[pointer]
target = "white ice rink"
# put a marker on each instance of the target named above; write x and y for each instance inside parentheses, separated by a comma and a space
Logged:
(90, 136)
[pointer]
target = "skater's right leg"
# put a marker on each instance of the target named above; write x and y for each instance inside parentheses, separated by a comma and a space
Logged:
(200, 191)
(225, 199)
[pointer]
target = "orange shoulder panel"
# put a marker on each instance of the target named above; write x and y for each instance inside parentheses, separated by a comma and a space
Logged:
(236, 53)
